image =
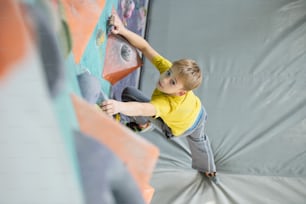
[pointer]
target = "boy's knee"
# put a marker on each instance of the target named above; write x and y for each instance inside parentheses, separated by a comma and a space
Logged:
(126, 90)
(126, 93)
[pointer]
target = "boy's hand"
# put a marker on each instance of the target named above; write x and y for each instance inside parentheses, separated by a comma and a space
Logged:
(110, 107)
(116, 23)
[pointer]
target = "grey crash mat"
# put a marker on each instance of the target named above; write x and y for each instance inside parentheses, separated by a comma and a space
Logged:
(253, 56)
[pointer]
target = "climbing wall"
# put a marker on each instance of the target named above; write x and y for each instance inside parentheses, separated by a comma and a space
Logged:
(47, 140)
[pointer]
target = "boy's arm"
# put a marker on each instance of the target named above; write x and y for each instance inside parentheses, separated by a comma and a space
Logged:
(136, 40)
(112, 107)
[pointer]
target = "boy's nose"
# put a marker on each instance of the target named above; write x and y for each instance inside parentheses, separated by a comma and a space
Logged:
(166, 80)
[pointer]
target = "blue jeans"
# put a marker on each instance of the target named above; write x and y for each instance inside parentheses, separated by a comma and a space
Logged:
(201, 152)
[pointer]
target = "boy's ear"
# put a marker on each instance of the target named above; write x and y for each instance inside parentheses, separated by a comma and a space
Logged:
(182, 92)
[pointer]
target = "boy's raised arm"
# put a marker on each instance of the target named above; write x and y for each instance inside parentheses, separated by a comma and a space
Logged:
(136, 40)
(112, 107)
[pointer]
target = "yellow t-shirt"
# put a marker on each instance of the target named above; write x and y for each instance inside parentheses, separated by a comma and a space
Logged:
(178, 112)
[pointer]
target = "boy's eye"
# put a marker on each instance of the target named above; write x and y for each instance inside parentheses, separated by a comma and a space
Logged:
(168, 73)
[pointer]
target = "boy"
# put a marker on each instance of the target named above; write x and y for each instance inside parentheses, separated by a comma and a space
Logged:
(178, 110)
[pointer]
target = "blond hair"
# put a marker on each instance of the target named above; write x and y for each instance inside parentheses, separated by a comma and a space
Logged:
(189, 72)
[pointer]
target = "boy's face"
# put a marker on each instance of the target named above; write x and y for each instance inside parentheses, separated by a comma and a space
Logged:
(170, 83)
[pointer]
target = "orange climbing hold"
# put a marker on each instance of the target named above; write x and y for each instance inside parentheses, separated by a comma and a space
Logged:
(121, 58)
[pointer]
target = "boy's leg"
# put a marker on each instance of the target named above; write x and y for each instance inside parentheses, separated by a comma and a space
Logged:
(132, 94)
(162, 128)
(201, 152)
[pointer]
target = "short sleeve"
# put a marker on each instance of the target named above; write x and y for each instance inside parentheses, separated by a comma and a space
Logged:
(161, 63)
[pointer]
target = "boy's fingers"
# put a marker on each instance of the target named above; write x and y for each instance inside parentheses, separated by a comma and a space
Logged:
(104, 103)
(107, 106)
(111, 20)
(108, 111)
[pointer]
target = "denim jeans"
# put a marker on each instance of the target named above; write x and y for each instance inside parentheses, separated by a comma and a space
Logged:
(201, 152)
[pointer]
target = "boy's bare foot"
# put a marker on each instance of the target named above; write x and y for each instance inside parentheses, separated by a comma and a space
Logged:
(213, 177)
(140, 127)
(143, 126)
(210, 174)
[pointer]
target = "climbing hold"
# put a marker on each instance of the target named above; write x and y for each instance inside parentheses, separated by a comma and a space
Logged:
(126, 52)
(100, 37)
